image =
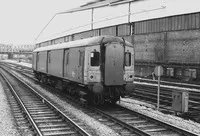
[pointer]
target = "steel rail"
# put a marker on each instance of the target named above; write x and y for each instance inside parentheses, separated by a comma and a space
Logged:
(75, 126)
(170, 126)
(131, 128)
(23, 106)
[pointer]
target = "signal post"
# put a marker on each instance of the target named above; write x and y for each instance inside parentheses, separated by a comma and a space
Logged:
(158, 72)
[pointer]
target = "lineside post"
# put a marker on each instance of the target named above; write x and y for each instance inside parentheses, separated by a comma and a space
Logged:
(158, 72)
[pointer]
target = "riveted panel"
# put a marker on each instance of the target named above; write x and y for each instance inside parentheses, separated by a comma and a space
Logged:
(183, 47)
(149, 48)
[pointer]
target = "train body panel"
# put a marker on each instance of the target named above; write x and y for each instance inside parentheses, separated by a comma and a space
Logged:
(74, 67)
(55, 62)
(34, 61)
(92, 67)
(114, 64)
(42, 62)
(129, 64)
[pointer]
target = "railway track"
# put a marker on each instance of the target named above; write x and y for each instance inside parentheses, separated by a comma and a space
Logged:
(126, 122)
(148, 94)
(43, 117)
(168, 83)
(149, 126)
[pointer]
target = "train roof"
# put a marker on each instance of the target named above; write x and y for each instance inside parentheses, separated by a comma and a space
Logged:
(83, 42)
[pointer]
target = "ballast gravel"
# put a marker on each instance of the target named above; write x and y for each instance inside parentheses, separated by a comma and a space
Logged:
(135, 105)
(149, 110)
(101, 129)
(7, 122)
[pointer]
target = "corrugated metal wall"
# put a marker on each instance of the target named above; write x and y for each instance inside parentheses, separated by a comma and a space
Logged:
(124, 30)
(86, 34)
(167, 24)
(82, 35)
(109, 31)
(59, 40)
(182, 22)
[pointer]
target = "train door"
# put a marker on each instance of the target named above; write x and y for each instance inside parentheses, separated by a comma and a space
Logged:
(48, 61)
(81, 64)
(34, 63)
(66, 62)
(114, 64)
(37, 60)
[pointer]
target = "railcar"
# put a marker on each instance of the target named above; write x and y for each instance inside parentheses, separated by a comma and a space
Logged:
(96, 69)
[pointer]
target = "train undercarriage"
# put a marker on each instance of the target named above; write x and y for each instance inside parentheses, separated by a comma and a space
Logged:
(86, 93)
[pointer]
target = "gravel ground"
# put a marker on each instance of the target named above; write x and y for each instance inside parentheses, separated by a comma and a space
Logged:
(19, 63)
(101, 129)
(147, 109)
(141, 107)
(7, 122)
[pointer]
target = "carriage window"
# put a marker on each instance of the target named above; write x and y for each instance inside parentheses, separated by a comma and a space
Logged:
(94, 58)
(127, 59)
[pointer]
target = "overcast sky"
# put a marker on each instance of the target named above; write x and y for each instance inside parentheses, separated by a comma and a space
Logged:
(22, 20)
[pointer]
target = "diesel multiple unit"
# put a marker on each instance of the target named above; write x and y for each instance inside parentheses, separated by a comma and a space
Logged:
(97, 69)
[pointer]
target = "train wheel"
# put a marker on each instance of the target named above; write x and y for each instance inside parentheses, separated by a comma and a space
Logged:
(98, 99)
(38, 77)
(114, 100)
(69, 90)
(73, 91)
(43, 79)
(102, 100)
(116, 96)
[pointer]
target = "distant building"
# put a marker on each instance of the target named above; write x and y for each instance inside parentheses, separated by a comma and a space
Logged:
(23, 48)
(4, 48)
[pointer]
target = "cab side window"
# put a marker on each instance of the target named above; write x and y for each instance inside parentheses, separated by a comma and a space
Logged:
(127, 59)
(94, 58)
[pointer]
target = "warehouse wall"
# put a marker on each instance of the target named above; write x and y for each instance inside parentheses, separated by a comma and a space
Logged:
(174, 23)
(170, 41)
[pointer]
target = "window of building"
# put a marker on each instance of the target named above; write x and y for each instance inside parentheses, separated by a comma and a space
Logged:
(95, 56)
(127, 59)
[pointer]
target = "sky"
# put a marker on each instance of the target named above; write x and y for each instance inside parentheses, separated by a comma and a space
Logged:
(22, 20)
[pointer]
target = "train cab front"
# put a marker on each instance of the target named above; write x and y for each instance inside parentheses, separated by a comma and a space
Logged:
(118, 69)
(114, 79)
